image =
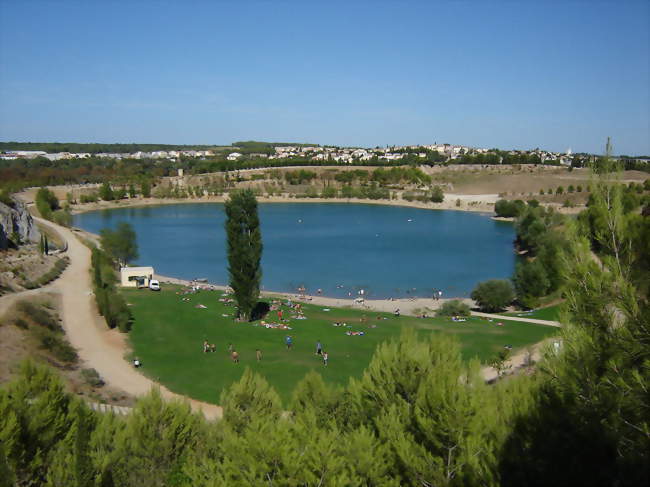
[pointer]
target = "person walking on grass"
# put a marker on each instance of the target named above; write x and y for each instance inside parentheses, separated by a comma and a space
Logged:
(258, 355)
(289, 341)
(319, 348)
(234, 356)
(325, 358)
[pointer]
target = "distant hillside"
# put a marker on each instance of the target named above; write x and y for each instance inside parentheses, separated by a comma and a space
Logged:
(92, 148)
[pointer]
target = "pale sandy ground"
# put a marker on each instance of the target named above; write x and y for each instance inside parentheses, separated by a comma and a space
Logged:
(482, 203)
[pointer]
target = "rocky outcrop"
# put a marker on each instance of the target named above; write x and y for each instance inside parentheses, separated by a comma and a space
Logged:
(16, 225)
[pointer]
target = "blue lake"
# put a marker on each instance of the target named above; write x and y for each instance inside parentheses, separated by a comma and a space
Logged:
(387, 251)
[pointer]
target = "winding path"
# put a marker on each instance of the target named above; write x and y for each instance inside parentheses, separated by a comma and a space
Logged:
(98, 346)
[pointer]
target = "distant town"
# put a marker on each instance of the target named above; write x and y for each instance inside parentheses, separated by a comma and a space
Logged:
(426, 154)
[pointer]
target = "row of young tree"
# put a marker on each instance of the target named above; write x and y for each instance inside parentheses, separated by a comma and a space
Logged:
(118, 247)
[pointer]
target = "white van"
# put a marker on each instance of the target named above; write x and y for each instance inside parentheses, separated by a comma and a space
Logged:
(154, 285)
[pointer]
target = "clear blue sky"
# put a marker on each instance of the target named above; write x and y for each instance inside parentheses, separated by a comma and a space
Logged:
(508, 74)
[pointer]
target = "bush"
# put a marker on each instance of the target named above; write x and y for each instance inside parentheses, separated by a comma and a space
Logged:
(531, 280)
(49, 276)
(62, 217)
(493, 295)
(92, 377)
(89, 198)
(509, 209)
(454, 307)
(437, 195)
(46, 203)
(56, 345)
(38, 315)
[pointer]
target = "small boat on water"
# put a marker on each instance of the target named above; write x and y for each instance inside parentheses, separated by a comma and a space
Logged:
(201, 279)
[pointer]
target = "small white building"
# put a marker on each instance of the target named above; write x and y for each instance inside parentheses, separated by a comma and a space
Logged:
(136, 276)
(233, 156)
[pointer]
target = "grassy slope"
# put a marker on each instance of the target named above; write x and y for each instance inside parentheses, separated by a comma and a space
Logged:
(168, 337)
(550, 313)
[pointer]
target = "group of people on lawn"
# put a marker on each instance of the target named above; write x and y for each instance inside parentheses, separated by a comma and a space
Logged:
(288, 340)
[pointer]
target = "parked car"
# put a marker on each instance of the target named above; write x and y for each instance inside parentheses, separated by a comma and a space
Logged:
(154, 285)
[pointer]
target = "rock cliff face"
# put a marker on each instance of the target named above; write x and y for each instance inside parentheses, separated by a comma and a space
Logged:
(16, 222)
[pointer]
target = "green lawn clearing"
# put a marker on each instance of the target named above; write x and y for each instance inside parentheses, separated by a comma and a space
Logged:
(551, 313)
(169, 331)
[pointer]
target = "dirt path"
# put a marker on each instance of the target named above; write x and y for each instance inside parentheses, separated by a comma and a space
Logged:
(556, 324)
(99, 347)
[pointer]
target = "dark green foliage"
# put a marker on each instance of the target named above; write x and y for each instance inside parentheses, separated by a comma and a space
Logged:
(121, 243)
(89, 198)
(531, 281)
(509, 209)
(106, 192)
(110, 304)
(6, 198)
(300, 176)
(493, 295)
(132, 193)
(244, 250)
(46, 202)
(437, 195)
(145, 189)
(453, 307)
(62, 217)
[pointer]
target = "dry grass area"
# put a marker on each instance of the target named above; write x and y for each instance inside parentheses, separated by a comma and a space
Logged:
(18, 267)
(32, 329)
(519, 180)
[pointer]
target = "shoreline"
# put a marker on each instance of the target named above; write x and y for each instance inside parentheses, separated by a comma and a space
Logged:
(406, 306)
(469, 203)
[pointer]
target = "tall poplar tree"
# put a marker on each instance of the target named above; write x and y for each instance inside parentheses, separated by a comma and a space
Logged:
(244, 250)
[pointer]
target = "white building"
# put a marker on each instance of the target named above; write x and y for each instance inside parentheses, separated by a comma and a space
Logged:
(233, 156)
(136, 276)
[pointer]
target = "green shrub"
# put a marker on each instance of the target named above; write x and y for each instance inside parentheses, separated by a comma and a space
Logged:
(38, 315)
(509, 209)
(454, 307)
(437, 195)
(493, 295)
(62, 217)
(20, 323)
(92, 377)
(56, 345)
(46, 203)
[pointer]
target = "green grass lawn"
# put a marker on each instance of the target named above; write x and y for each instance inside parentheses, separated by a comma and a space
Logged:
(168, 336)
(549, 313)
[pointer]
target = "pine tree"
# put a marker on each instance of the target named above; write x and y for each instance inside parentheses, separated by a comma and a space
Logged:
(251, 397)
(156, 439)
(244, 250)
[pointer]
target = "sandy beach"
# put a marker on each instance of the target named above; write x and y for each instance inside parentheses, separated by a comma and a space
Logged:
(479, 203)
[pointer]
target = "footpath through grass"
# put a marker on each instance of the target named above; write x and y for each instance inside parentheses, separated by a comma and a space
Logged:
(170, 328)
(551, 313)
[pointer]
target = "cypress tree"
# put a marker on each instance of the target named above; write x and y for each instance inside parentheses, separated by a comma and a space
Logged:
(46, 245)
(244, 250)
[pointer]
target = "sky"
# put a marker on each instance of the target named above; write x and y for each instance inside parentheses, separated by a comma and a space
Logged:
(507, 74)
